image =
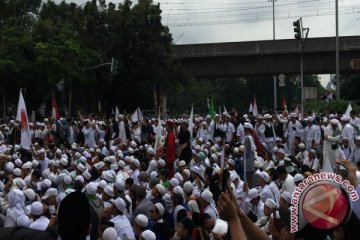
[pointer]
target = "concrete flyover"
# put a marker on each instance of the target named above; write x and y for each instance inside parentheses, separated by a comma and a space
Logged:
(267, 57)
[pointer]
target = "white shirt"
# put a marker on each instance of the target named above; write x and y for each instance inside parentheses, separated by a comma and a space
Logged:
(229, 130)
(123, 226)
(211, 211)
(40, 224)
(257, 210)
(313, 164)
(288, 184)
(89, 136)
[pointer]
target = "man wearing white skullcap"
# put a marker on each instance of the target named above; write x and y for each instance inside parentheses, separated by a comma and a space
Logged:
(332, 134)
(263, 181)
(294, 129)
(16, 200)
(148, 235)
(121, 222)
(40, 222)
(263, 223)
(110, 234)
(206, 203)
(160, 227)
(140, 225)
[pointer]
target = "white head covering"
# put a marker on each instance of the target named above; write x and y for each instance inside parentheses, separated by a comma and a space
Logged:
(36, 208)
(23, 221)
(110, 234)
(148, 235)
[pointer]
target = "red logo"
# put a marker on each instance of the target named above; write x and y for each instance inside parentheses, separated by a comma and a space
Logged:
(24, 120)
(325, 206)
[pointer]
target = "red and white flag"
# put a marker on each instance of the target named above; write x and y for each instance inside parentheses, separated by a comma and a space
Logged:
(22, 117)
(255, 109)
(54, 108)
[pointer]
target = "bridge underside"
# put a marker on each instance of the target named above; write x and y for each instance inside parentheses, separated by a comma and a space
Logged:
(267, 57)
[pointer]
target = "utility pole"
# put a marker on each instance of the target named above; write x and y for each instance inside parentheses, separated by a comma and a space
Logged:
(337, 50)
(274, 77)
(299, 34)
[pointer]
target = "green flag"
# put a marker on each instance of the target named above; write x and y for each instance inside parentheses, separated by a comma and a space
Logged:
(212, 110)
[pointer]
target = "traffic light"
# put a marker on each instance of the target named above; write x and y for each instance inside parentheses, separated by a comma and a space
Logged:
(114, 66)
(298, 29)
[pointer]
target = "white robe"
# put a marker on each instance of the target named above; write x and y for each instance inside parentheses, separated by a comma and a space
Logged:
(330, 154)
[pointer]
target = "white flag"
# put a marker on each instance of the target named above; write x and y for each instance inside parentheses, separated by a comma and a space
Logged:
(191, 125)
(22, 117)
(137, 115)
(251, 108)
(158, 133)
(117, 114)
(348, 110)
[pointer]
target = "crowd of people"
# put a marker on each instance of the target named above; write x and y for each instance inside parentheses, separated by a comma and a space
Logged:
(227, 177)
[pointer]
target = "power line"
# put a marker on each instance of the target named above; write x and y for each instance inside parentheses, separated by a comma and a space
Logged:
(254, 20)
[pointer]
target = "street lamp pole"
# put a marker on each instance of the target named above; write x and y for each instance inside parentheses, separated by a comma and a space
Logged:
(337, 50)
(274, 77)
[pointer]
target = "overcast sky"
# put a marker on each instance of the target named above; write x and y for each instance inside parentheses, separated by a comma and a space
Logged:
(206, 21)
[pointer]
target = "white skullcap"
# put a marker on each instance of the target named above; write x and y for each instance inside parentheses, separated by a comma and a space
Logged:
(178, 190)
(79, 178)
(334, 121)
(109, 191)
(161, 189)
(27, 165)
(91, 188)
(253, 193)
(302, 146)
(36, 208)
(293, 115)
(195, 169)
(187, 172)
(78, 155)
(188, 187)
(81, 167)
(160, 208)
(207, 196)
(82, 159)
(309, 119)
(30, 194)
(120, 204)
(110, 234)
(298, 177)
(133, 144)
(108, 176)
(130, 150)
(267, 116)
(247, 125)
(174, 182)
(86, 175)
(148, 235)
(35, 163)
(271, 204)
(142, 220)
(287, 197)
(87, 155)
(263, 175)
(9, 167)
(182, 163)
(102, 184)
(136, 163)
(179, 177)
(150, 151)
(120, 185)
(58, 151)
(64, 162)
(231, 162)
(20, 183)
(153, 175)
(161, 162)
(67, 179)
(46, 183)
(220, 228)
(121, 164)
(50, 192)
(99, 165)
(23, 221)
(282, 151)
(18, 162)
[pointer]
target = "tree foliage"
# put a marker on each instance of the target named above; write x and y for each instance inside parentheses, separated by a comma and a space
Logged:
(43, 43)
